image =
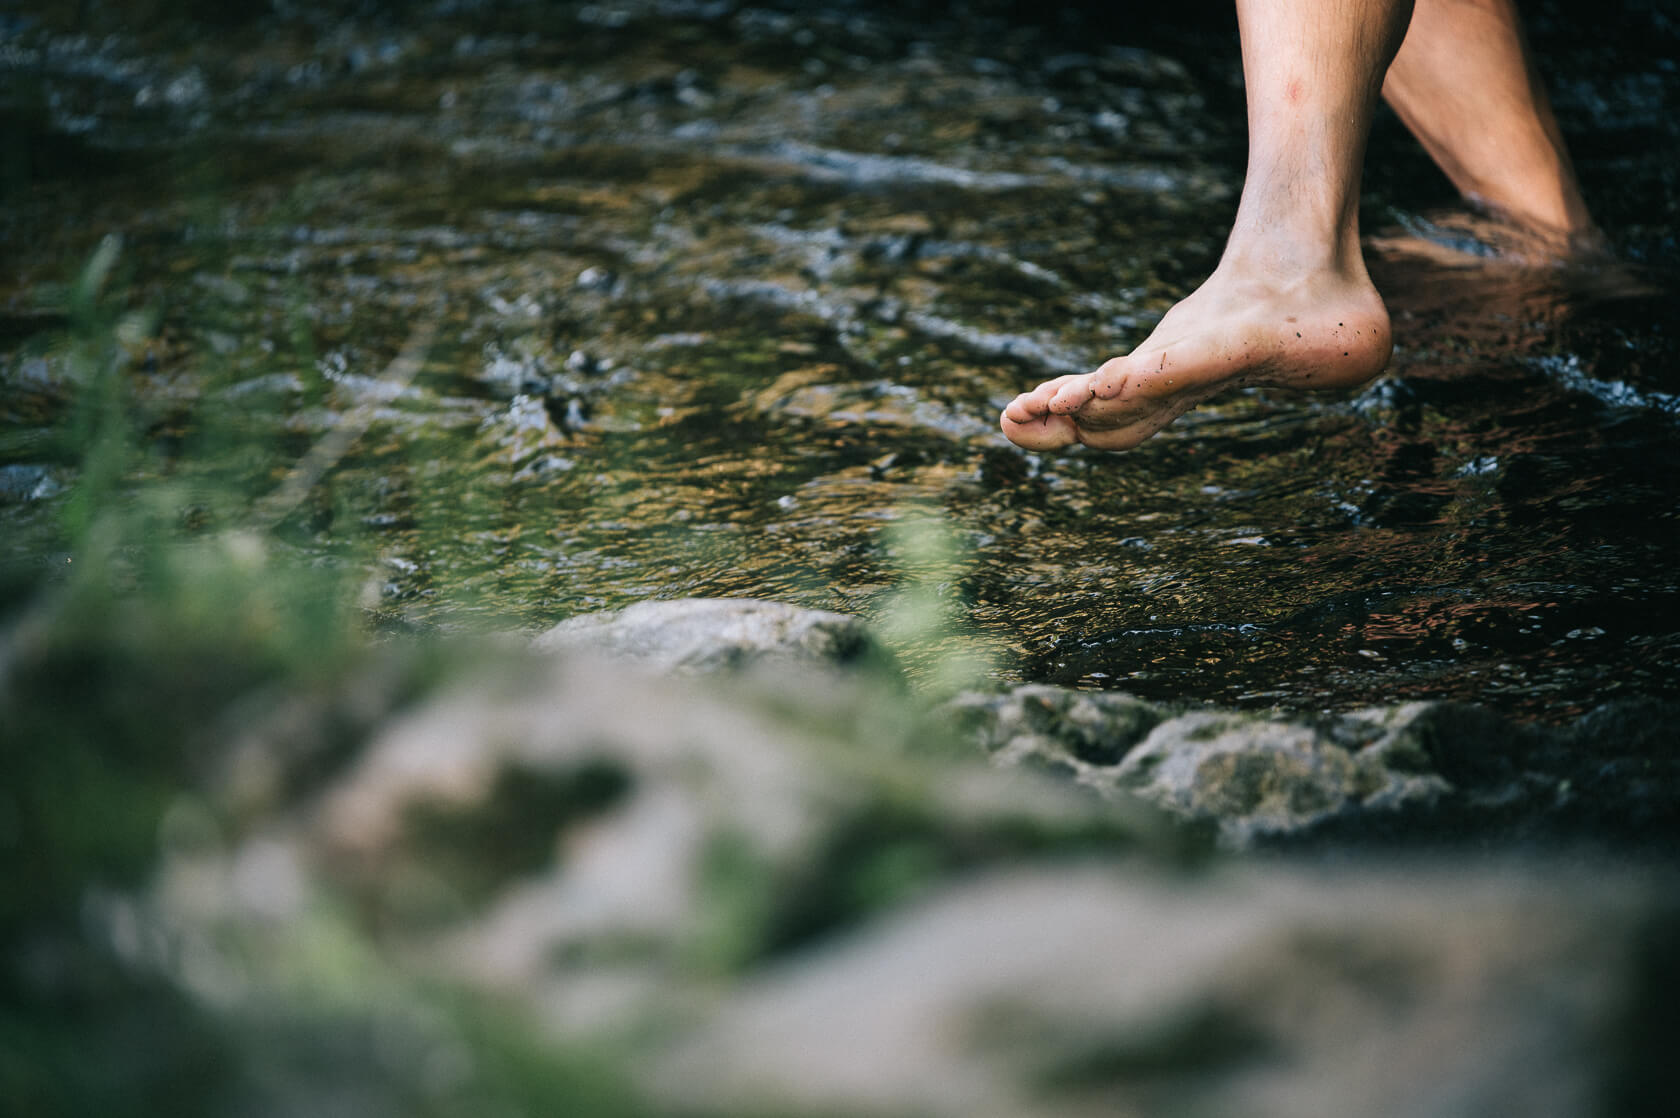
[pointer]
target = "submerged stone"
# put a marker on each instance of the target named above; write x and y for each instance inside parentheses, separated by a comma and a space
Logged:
(21, 483)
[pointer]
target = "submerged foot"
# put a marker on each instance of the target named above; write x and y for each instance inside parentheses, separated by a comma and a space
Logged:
(1325, 330)
(1492, 248)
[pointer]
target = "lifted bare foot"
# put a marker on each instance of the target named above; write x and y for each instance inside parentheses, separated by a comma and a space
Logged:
(1324, 330)
(1291, 304)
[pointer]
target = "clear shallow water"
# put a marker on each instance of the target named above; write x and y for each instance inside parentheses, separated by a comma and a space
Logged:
(719, 294)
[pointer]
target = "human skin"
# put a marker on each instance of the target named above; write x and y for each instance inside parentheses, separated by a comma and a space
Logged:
(1290, 304)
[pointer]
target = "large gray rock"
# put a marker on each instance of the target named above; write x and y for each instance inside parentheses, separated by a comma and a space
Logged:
(602, 843)
(709, 634)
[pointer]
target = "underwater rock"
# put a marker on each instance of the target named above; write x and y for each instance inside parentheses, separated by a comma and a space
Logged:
(21, 483)
(521, 431)
(806, 394)
(711, 634)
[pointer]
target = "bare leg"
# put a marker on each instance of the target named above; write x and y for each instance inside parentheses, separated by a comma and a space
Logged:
(1290, 303)
(1465, 85)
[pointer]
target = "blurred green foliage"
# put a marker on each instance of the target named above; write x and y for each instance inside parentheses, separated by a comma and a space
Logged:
(921, 618)
(121, 675)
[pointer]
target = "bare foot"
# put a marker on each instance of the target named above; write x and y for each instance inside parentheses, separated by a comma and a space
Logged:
(1327, 329)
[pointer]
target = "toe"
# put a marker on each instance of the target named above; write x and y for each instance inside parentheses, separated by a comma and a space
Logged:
(1108, 381)
(1024, 409)
(1118, 438)
(1034, 404)
(1071, 396)
(1048, 432)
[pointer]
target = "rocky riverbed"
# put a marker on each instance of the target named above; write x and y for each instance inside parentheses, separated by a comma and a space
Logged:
(512, 600)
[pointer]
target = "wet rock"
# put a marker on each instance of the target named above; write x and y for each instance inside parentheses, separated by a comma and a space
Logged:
(1422, 772)
(271, 385)
(519, 374)
(1086, 730)
(711, 634)
(45, 380)
(1255, 777)
(1143, 68)
(597, 279)
(1250, 776)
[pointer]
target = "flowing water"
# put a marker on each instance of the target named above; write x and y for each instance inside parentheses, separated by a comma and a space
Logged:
(648, 300)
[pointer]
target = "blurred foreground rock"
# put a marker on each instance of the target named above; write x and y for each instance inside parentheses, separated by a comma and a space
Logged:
(788, 893)
(1254, 991)
(604, 843)
(414, 883)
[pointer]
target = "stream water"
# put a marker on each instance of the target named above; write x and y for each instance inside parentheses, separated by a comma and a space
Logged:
(702, 298)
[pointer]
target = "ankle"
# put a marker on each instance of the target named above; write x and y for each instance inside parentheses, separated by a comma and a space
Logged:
(1279, 259)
